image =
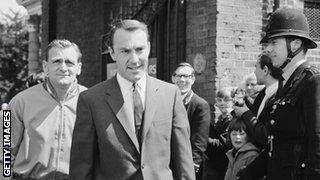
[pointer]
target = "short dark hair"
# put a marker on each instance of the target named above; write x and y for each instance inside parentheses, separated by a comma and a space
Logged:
(185, 64)
(62, 44)
(265, 60)
(128, 25)
(238, 124)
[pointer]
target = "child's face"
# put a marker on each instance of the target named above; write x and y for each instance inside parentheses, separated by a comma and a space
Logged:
(223, 105)
(238, 138)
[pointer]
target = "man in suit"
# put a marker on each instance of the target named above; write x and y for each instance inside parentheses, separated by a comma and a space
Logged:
(131, 126)
(267, 75)
(198, 112)
(289, 125)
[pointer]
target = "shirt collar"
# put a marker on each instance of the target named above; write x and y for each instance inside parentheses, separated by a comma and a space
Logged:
(73, 89)
(187, 97)
(272, 88)
(286, 74)
(124, 83)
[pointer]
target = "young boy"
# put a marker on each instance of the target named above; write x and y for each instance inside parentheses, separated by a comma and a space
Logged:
(216, 163)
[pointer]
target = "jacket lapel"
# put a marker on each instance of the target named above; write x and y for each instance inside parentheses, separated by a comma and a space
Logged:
(116, 103)
(150, 107)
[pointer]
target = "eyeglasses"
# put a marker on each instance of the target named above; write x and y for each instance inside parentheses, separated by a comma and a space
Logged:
(182, 75)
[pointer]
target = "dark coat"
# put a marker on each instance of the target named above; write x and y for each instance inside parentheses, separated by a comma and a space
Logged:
(289, 127)
(216, 162)
(242, 158)
(199, 118)
(257, 101)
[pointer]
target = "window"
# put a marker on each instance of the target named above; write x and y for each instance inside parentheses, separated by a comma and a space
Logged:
(312, 11)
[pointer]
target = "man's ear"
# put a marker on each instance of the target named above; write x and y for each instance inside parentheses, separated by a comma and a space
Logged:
(173, 79)
(265, 70)
(111, 52)
(193, 79)
(79, 68)
(295, 44)
(44, 67)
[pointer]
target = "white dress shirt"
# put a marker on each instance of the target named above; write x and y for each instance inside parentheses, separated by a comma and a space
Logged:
(270, 90)
(126, 88)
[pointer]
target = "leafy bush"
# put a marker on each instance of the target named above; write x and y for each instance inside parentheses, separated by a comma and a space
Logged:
(13, 56)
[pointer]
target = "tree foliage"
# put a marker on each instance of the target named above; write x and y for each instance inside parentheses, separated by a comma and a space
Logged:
(13, 56)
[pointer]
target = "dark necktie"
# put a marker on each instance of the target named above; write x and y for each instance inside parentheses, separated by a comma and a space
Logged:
(138, 110)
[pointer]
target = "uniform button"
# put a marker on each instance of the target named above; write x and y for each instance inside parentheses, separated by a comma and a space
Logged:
(303, 165)
(283, 103)
(274, 107)
(272, 122)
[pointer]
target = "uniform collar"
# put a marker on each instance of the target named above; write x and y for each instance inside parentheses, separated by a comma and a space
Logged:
(286, 74)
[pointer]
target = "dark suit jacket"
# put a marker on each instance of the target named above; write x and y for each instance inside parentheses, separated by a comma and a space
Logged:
(257, 101)
(105, 147)
(293, 119)
(199, 118)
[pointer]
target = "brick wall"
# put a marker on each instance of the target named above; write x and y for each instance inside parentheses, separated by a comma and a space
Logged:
(239, 25)
(201, 42)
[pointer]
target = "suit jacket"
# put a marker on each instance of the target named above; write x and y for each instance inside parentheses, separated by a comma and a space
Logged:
(257, 101)
(292, 119)
(199, 118)
(105, 146)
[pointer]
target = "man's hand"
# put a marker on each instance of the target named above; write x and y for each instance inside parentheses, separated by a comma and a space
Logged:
(238, 111)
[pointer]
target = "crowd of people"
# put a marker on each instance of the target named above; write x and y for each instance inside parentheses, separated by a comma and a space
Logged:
(134, 126)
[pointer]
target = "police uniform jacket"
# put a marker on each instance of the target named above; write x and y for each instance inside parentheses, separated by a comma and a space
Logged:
(289, 127)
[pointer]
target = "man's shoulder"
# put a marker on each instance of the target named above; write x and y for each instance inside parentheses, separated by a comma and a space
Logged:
(199, 100)
(29, 92)
(161, 83)
(97, 88)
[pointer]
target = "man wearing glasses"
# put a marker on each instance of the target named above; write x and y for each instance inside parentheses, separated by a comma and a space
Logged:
(198, 112)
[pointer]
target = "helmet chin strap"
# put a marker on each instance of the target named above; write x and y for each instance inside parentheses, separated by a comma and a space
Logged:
(290, 53)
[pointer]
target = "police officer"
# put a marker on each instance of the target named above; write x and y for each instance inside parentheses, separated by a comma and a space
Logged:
(289, 125)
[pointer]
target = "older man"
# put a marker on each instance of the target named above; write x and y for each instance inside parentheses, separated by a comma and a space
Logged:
(43, 116)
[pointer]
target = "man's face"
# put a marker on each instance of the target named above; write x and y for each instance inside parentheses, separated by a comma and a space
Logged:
(251, 87)
(131, 51)
(277, 50)
(184, 79)
(260, 74)
(62, 66)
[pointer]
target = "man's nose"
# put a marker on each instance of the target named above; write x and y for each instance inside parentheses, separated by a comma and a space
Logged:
(63, 66)
(134, 57)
